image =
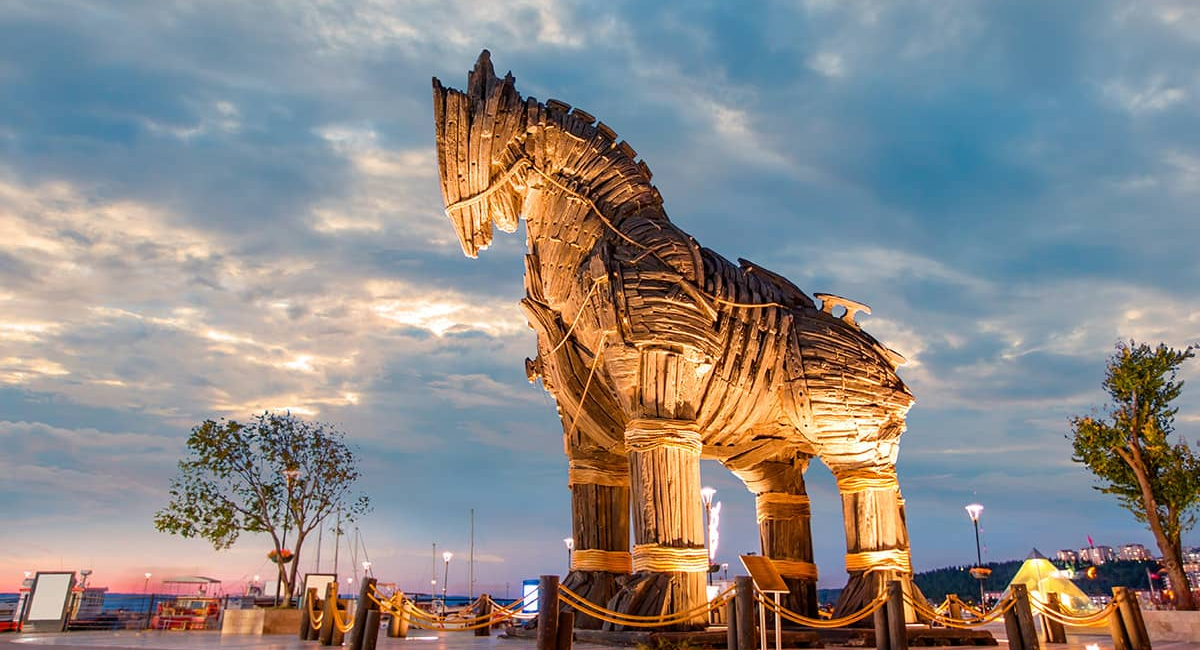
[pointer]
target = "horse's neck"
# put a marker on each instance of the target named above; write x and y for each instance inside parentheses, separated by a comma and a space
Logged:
(579, 195)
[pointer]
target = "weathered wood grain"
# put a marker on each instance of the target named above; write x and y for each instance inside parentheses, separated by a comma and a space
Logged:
(634, 319)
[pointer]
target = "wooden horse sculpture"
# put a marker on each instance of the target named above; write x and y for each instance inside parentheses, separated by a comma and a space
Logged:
(660, 353)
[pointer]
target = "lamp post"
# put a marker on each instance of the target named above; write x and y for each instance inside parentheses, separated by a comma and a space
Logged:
(569, 542)
(445, 576)
(146, 585)
(974, 510)
(706, 495)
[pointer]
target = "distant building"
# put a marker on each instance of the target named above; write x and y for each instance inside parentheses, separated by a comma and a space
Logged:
(1097, 554)
(1134, 552)
(1069, 556)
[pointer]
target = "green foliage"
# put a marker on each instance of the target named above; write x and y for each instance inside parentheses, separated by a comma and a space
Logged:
(275, 474)
(1142, 383)
(955, 580)
(1131, 451)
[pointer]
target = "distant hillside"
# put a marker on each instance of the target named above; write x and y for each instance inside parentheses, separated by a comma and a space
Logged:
(939, 582)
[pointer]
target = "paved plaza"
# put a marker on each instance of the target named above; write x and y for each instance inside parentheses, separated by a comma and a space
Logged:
(172, 640)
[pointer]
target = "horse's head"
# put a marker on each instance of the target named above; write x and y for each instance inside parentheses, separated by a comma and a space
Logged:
(483, 177)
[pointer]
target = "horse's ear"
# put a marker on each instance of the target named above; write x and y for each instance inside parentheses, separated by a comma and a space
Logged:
(483, 75)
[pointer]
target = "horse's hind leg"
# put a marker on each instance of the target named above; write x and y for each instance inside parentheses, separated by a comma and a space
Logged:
(784, 521)
(599, 482)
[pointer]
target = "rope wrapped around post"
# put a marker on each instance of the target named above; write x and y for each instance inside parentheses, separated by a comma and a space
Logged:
(594, 559)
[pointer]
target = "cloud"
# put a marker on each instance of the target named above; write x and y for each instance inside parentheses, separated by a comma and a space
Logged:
(212, 210)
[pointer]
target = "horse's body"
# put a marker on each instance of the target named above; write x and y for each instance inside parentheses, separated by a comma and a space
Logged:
(659, 351)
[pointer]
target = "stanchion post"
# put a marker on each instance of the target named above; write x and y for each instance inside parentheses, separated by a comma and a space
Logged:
(484, 609)
(365, 604)
(339, 637)
(1055, 631)
(1116, 627)
(310, 599)
(1012, 628)
(1029, 635)
(731, 636)
(566, 631)
(1131, 618)
(897, 631)
(398, 626)
(371, 632)
(547, 619)
(881, 629)
(955, 609)
(327, 605)
(746, 632)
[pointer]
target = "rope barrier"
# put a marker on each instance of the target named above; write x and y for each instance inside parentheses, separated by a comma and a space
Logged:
(631, 620)
(338, 623)
(314, 619)
(1096, 619)
(822, 623)
(925, 609)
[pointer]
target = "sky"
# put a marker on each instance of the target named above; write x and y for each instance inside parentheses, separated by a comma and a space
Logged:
(213, 208)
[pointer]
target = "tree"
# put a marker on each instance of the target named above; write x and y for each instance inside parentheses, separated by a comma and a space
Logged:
(1129, 449)
(277, 474)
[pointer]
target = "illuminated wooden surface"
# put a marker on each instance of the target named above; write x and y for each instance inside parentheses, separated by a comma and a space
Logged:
(637, 323)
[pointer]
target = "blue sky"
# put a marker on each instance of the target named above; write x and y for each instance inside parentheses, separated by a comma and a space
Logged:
(208, 209)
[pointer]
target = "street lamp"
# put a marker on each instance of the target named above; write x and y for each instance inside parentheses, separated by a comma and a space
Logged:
(979, 572)
(445, 576)
(569, 542)
(146, 585)
(706, 496)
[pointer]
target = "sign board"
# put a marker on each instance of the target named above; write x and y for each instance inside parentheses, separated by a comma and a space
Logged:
(49, 601)
(316, 581)
(766, 576)
(529, 592)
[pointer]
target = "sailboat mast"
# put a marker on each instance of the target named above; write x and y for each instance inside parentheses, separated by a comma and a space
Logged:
(471, 563)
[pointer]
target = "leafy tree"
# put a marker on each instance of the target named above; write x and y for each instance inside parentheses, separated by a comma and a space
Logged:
(1129, 449)
(276, 474)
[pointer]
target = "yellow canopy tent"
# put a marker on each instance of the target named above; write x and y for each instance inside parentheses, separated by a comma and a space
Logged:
(1043, 578)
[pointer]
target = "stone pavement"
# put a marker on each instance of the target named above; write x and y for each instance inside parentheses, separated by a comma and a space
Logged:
(176, 640)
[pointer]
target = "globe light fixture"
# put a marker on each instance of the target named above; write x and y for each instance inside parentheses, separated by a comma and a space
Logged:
(979, 572)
